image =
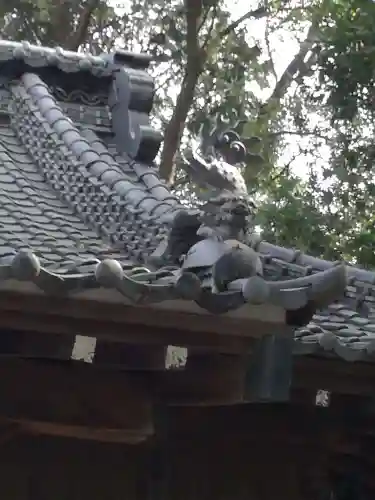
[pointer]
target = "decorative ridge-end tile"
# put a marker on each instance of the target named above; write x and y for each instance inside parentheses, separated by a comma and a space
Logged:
(296, 259)
(35, 56)
(140, 285)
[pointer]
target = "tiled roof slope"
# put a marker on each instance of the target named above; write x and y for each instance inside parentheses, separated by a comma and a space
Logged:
(74, 215)
(347, 326)
(77, 165)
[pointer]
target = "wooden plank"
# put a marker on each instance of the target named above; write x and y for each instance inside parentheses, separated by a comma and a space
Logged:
(22, 343)
(138, 357)
(309, 373)
(111, 331)
(72, 397)
(124, 324)
(250, 419)
(103, 435)
(43, 467)
(334, 375)
(207, 380)
(52, 337)
(74, 400)
(34, 344)
(67, 389)
(258, 320)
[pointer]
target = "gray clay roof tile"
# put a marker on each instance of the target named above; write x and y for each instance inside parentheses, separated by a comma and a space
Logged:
(76, 210)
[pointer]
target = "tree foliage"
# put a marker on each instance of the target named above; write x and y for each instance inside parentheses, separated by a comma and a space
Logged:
(311, 107)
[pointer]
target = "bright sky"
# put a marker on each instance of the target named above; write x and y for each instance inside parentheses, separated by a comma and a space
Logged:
(283, 47)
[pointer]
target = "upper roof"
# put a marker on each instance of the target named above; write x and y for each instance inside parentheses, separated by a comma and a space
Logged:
(38, 57)
(83, 206)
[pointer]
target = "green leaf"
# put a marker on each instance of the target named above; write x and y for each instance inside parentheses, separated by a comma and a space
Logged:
(253, 144)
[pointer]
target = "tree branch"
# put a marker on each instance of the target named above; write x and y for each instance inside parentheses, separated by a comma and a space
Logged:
(300, 133)
(76, 39)
(196, 56)
(285, 168)
(205, 14)
(195, 59)
(210, 29)
(252, 14)
(296, 66)
(193, 16)
(268, 45)
(59, 27)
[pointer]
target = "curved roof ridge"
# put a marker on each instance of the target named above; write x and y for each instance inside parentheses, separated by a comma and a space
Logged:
(346, 328)
(299, 258)
(36, 56)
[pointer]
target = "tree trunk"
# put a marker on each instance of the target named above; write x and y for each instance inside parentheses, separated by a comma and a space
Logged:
(175, 128)
(295, 67)
(60, 30)
(78, 37)
(196, 56)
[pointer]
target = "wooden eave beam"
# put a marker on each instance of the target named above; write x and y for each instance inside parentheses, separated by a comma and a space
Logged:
(115, 331)
(249, 322)
(77, 394)
(103, 435)
(87, 402)
(53, 336)
(80, 400)
(75, 400)
(206, 380)
(155, 327)
(334, 375)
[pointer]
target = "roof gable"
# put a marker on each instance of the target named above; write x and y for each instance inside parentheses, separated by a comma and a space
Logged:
(81, 83)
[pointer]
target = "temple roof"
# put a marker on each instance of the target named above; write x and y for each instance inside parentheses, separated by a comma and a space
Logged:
(347, 326)
(83, 207)
(70, 62)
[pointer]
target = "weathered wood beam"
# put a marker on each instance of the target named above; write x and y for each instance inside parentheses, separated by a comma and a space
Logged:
(53, 337)
(334, 375)
(207, 380)
(35, 344)
(78, 399)
(123, 324)
(250, 419)
(58, 399)
(111, 331)
(103, 435)
(140, 357)
(39, 345)
(262, 319)
(84, 401)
